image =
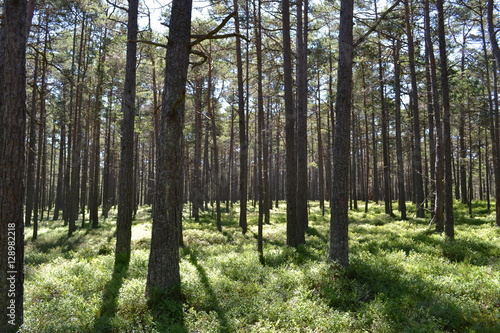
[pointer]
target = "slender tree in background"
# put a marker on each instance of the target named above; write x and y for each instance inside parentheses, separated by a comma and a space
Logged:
(339, 245)
(13, 36)
(163, 270)
(126, 183)
(96, 137)
(399, 143)
(449, 223)
(197, 194)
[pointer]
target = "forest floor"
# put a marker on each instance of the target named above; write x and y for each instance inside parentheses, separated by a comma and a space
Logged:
(403, 277)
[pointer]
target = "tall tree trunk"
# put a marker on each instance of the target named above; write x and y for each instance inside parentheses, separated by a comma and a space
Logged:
(216, 183)
(399, 144)
(449, 223)
(30, 177)
(126, 176)
(13, 36)
(197, 193)
(261, 158)
(96, 137)
(339, 247)
(385, 135)
(417, 150)
(163, 271)
(40, 169)
(292, 227)
(242, 126)
(301, 139)
(73, 201)
(438, 214)
(494, 113)
(321, 152)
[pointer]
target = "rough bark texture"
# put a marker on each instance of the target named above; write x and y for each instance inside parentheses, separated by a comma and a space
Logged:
(12, 162)
(301, 140)
(449, 223)
(399, 143)
(439, 166)
(494, 113)
(126, 183)
(242, 127)
(292, 238)
(417, 149)
(163, 272)
(339, 247)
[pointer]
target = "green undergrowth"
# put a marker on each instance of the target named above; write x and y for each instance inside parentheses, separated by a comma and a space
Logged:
(403, 277)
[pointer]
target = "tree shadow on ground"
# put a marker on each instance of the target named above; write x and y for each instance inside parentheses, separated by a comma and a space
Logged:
(109, 305)
(214, 304)
(407, 300)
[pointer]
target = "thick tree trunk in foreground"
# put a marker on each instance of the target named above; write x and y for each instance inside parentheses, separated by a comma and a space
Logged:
(339, 248)
(13, 37)
(126, 177)
(163, 271)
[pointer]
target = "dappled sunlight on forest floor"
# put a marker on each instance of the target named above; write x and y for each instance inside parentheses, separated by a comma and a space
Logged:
(403, 277)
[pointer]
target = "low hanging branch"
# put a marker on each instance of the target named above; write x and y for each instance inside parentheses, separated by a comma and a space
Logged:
(372, 29)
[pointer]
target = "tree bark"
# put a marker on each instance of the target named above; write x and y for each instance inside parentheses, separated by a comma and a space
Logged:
(417, 150)
(301, 139)
(494, 113)
(242, 126)
(399, 144)
(126, 176)
(439, 166)
(292, 227)
(339, 248)
(449, 223)
(163, 272)
(13, 36)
